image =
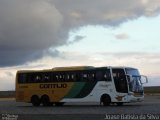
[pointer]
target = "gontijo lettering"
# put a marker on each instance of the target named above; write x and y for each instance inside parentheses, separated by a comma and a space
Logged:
(45, 86)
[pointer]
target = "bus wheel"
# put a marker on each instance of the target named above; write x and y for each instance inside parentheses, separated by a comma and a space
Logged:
(45, 100)
(119, 103)
(35, 100)
(59, 103)
(106, 100)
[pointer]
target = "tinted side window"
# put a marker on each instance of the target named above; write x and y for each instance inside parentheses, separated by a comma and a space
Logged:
(70, 76)
(64, 76)
(103, 74)
(120, 80)
(35, 78)
(118, 74)
(46, 77)
(59, 77)
(22, 78)
(87, 75)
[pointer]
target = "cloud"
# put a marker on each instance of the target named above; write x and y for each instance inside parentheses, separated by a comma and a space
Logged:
(7, 80)
(76, 39)
(30, 27)
(122, 36)
(153, 81)
(149, 61)
(146, 62)
(142, 60)
(105, 12)
(9, 74)
(26, 29)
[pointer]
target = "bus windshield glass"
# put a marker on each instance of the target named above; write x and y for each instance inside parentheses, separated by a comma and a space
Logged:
(135, 84)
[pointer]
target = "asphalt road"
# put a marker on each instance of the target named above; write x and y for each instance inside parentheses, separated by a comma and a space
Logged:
(148, 109)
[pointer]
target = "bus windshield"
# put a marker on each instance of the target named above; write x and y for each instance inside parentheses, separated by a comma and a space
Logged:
(135, 84)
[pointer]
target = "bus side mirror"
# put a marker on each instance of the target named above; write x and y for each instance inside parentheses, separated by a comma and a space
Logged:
(144, 79)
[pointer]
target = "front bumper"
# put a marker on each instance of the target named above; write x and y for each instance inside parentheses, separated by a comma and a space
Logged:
(132, 98)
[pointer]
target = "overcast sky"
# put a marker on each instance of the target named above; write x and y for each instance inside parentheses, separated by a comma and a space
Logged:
(39, 34)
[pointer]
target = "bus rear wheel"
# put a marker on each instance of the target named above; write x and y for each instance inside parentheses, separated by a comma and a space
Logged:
(35, 100)
(59, 103)
(106, 100)
(45, 100)
(119, 103)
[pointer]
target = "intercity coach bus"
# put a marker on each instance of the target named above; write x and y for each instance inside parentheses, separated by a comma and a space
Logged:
(106, 85)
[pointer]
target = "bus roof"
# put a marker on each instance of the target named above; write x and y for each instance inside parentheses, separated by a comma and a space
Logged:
(70, 68)
(59, 69)
(118, 67)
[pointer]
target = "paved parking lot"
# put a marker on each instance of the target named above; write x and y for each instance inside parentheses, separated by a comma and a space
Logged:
(150, 107)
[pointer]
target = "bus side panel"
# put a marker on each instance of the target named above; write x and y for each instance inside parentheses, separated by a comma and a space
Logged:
(24, 92)
(94, 93)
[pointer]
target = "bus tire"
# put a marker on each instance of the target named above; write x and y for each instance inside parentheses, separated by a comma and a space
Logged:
(105, 100)
(59, 103)
(119, 103)
(45, 100)
(35, 100)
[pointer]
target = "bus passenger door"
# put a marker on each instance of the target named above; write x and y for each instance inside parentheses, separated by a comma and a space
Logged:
(120, 80)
